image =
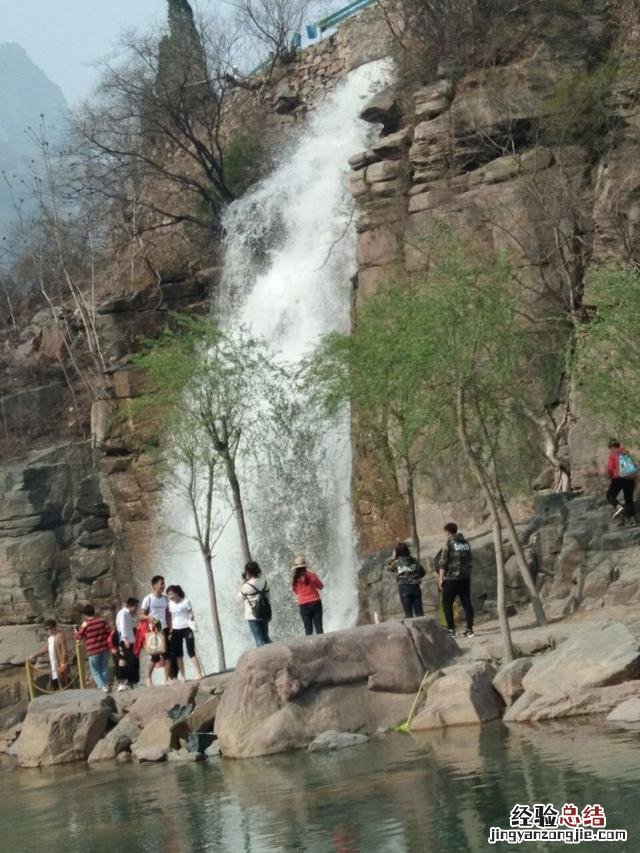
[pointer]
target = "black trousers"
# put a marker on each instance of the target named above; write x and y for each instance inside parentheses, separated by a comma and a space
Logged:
(130, 672)
(312, 617)
(411, 598)
(626, 485)
(457, 588)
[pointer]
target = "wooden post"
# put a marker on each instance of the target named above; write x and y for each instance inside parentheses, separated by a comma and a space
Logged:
(30, 687)
(82, 676)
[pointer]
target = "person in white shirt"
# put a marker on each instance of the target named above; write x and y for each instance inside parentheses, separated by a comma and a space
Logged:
(257, 608)
(126, 662)
(181, 633)
(155, 610)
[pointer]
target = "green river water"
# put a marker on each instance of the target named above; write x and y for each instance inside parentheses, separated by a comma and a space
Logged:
(440, 792)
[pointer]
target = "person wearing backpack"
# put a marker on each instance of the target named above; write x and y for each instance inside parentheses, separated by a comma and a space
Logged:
(455, 577)
(622, 472)
(409, 574)
(257, 607)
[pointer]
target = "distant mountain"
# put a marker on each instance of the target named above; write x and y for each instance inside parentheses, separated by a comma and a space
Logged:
(26, 93)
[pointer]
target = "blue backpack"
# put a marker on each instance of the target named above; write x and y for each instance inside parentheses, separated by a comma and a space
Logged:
(626, 466)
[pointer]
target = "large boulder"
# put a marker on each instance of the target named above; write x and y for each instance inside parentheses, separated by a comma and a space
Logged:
(463, 696)
(118, 740)
(531, 707)
(150, 702)
(282, 696)
(508, 680)
(63, 727)
(626, 712)
(595, 655)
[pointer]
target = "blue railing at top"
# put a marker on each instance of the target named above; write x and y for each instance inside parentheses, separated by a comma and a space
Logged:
(318, 29)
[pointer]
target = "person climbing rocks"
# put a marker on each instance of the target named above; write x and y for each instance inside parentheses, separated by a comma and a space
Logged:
(96, 634)
(56, 651)
(622, 472)
(155, 612)
(306, 586)
(409, 574)
(125, 660)
(181, 633)
(254, 593)
(454, 581)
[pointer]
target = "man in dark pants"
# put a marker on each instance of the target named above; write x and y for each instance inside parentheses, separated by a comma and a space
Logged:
(409, 573)
(454, 572)
(622, 473)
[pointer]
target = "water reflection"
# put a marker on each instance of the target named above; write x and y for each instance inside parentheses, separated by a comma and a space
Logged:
(437, 792)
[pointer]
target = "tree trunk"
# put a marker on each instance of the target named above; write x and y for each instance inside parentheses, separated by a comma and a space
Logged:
(482, 480)
(215, 616)
(413, 521)
(238, 508)
(523, 566)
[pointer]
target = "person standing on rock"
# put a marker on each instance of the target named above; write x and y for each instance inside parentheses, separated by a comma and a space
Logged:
(622, 472)
(409, 574)
(155, 611)
(306, 586)
(454, 581)
(126, 662)
(96, 635)
(257, 607)
(181, 633)
(56, 651)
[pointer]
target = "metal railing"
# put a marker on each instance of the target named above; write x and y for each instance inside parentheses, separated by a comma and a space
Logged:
(34, 672)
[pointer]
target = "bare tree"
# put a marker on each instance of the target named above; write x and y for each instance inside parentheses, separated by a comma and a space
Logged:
(154, 125)
(273, 23)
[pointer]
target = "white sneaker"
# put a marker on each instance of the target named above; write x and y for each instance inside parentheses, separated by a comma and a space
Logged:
(618, 511)
(122, 687)
(104, 689)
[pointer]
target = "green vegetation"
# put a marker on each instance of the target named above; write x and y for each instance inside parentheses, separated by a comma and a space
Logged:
(439, 366)
(243, 161)
(202, 386)
(608, 352)
(578, 110)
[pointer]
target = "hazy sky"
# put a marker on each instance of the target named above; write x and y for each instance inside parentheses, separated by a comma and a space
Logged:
(66, 37)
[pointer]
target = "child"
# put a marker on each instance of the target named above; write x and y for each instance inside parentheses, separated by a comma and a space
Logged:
(96, 633)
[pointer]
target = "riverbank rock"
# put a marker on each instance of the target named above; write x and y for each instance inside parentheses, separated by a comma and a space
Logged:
(463, 696)
(150, 702)
(508, 680)
(627, 712)
(118, 740)
(531, 707)
(63, 727)
(596, 655)
(282, 696)
(336, 740)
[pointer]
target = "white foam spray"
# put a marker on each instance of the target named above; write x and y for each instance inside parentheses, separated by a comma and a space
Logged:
(289, 259)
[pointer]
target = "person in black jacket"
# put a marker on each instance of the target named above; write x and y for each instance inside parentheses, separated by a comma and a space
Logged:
(454, 570)
(409, 574)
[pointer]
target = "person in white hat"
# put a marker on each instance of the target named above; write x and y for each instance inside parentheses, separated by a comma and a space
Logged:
(306, 586)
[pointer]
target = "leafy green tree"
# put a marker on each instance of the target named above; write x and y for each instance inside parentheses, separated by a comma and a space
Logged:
(445, 367)
(608, 352)
(203, 388)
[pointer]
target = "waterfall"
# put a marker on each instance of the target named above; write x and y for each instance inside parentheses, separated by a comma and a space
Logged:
(289, 256)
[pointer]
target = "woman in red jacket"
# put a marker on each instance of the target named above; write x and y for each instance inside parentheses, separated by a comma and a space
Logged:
(305, 585)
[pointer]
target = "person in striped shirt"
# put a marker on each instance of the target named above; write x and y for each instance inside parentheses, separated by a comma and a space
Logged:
(95, 632)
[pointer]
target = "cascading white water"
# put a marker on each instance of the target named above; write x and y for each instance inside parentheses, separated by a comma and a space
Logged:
(289, 258)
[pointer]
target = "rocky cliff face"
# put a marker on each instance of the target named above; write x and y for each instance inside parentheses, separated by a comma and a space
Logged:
(477, 151)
